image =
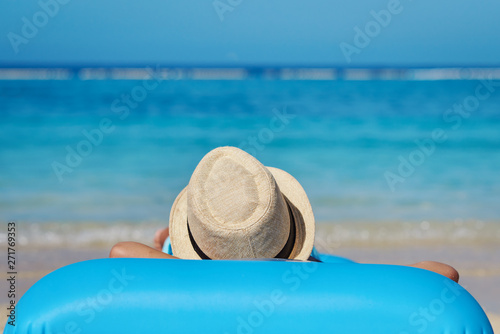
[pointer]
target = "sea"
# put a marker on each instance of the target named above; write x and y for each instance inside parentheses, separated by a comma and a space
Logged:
(97, 155)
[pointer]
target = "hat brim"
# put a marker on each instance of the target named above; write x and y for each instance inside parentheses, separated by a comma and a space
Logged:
(294, 195)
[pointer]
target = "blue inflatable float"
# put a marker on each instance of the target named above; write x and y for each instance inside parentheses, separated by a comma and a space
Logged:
(245, 297)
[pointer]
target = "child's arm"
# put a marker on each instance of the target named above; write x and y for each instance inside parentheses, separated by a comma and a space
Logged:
(132, 249)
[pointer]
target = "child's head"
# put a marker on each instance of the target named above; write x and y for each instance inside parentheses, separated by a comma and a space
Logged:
(234, 207)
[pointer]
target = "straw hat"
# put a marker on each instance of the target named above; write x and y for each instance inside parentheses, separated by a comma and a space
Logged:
(234, 208)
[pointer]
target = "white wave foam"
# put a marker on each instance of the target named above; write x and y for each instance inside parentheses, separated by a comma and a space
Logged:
(329, 235)
(332, 236)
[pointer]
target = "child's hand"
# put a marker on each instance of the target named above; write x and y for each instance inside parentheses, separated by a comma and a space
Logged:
(438, 267)
(160, 236)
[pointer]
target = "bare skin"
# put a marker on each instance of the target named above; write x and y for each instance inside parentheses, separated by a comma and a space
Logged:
(132, 249)
(438, 267)
(160, 236)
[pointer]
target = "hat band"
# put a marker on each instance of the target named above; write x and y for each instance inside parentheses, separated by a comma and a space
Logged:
(196, 248)
(283, 254)
(287, 249)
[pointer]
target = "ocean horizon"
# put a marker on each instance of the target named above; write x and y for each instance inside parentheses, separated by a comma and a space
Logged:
(227, 72)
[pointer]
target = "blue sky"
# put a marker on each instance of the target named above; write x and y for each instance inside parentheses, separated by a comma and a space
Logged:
(250, 32)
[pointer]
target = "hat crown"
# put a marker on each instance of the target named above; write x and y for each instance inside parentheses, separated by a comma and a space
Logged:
(235, 208)
(233, 195)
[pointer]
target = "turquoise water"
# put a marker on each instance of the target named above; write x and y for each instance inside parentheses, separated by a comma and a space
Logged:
(341, 140)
